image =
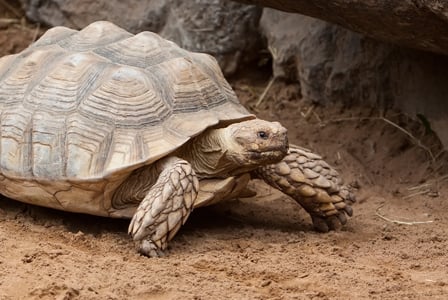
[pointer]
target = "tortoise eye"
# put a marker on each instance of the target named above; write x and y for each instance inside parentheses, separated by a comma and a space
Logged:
(263, 135)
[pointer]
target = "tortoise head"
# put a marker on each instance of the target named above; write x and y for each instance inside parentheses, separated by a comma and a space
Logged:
(255, 142)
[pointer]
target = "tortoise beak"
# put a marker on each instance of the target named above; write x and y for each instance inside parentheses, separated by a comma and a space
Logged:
(270, 154)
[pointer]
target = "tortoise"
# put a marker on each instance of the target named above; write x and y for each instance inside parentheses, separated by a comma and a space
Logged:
(104, 122)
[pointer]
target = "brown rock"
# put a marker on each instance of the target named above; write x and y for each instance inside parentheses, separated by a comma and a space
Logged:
(421, 24)
(225, 29)
(333, 64)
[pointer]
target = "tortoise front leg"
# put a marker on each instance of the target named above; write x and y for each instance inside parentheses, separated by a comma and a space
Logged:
(312, 183)
(166, 206)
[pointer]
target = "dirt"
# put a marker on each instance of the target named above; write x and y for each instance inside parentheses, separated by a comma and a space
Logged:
(394, 247)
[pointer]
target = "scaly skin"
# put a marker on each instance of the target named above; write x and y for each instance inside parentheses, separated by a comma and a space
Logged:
(166, 206)
(313, 184)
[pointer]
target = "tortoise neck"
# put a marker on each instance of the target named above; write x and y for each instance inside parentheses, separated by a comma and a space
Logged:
(207, 154)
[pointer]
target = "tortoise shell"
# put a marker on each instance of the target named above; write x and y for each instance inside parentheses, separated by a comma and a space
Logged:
(85, 108)
(91, 103)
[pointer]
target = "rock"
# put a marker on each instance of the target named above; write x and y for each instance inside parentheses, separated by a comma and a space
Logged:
(133, 15)
(330, 62)
(227, 30)
(419, 85)
(334, 64)
(421, 24)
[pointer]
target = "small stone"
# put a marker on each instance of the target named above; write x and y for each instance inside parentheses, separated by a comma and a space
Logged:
(28, 259)
(266, 283)
(388, 237)
(79, 234)
(404, 256)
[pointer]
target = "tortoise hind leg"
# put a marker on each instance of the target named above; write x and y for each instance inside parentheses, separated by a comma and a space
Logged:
(166, 206)
(313, 184)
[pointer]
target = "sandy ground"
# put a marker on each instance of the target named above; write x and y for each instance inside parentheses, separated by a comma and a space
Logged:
(264, 247)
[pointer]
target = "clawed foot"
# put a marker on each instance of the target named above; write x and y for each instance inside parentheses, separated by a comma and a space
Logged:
(332, 216)
(333, 222)
(165, 208)
(315, 185)
(148, 248)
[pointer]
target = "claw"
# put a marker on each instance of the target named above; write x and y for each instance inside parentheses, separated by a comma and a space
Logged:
(342, 218)
(326, 224)
(148, 248)
(349, 210)
(320, 224)
(334, 223)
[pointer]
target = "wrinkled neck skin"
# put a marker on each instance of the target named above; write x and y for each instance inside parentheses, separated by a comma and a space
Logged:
(208, 155)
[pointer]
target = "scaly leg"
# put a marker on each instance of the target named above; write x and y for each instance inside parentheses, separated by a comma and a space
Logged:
(166, 206)
(312, 183)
